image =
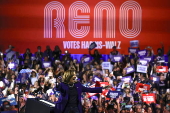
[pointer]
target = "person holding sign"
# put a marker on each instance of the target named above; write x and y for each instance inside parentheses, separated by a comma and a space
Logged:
(113, 53)
(96, 56)
(71, 93)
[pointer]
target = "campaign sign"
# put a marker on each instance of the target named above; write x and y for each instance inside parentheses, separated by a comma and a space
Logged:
(117, 58)
(161, 69)
(130, 70)
(101, 84)
(149, 59)
(92, 46)
(149, 98)
(107, 65)
(87, 59)
(143, 62)
(95, 78)
(141, 87)
(133, 50)
(10, 99)
(154, 78)
(134, 43)
(11, 65)
(113, 94)
(142, 53)
(142, 69)
(126, 79)
(46, 64)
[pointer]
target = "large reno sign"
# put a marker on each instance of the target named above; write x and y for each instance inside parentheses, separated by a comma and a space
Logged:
(75, 19)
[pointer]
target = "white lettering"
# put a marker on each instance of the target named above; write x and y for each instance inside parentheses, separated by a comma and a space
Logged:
(75, 19)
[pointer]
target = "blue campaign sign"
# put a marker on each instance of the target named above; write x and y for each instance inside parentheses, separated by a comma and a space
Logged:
(133, 50)
(129, 70)
(143, 62)
(134, 43)
(126, 79)
(113, 94)
(142, 69)
(11, 100)
(117, 58)
(142, 53)
(95, 78)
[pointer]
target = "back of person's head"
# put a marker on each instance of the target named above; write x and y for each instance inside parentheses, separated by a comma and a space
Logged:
(4, 105)
(110, 108)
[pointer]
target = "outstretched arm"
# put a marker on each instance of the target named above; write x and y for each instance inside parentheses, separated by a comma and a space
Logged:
(92, 90)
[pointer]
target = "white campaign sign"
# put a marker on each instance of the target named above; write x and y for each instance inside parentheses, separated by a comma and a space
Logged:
(142, 69)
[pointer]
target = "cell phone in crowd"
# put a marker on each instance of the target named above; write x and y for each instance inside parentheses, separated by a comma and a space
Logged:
(66, 51)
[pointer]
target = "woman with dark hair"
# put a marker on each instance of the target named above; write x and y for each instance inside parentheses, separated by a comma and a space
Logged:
(56, 53)
(27, 55)
(71, 93)
(96, 56)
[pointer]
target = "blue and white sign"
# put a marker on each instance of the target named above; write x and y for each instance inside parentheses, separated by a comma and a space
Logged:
(133, 50)
(126, 79)
(46, 64)
(129, 70)
(142, 53)
(134, 43)
(143, 62)
(117, 58)
(142, 69)
(107, 65)
(95, 78)
(113, 94)
(154, 78)
(149, 59)
(11, 99)
(87, 59)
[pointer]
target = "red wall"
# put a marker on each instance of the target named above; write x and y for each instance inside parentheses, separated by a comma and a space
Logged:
(22, 25)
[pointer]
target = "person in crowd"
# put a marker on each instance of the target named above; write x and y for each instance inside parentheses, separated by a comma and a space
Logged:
(113, 53)
(27, 55)
(57, 53)
(48, 52)
(96, 56)
(168, 54)
(10, 54)
(39, 54)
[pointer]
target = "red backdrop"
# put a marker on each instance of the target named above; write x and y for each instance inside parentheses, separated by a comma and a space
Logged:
(22, 24)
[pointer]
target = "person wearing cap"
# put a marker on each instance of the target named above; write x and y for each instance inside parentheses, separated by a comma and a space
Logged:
(10, 54)
(71, 91)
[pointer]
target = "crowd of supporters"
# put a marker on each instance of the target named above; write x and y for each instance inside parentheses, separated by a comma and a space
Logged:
(35, 75)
